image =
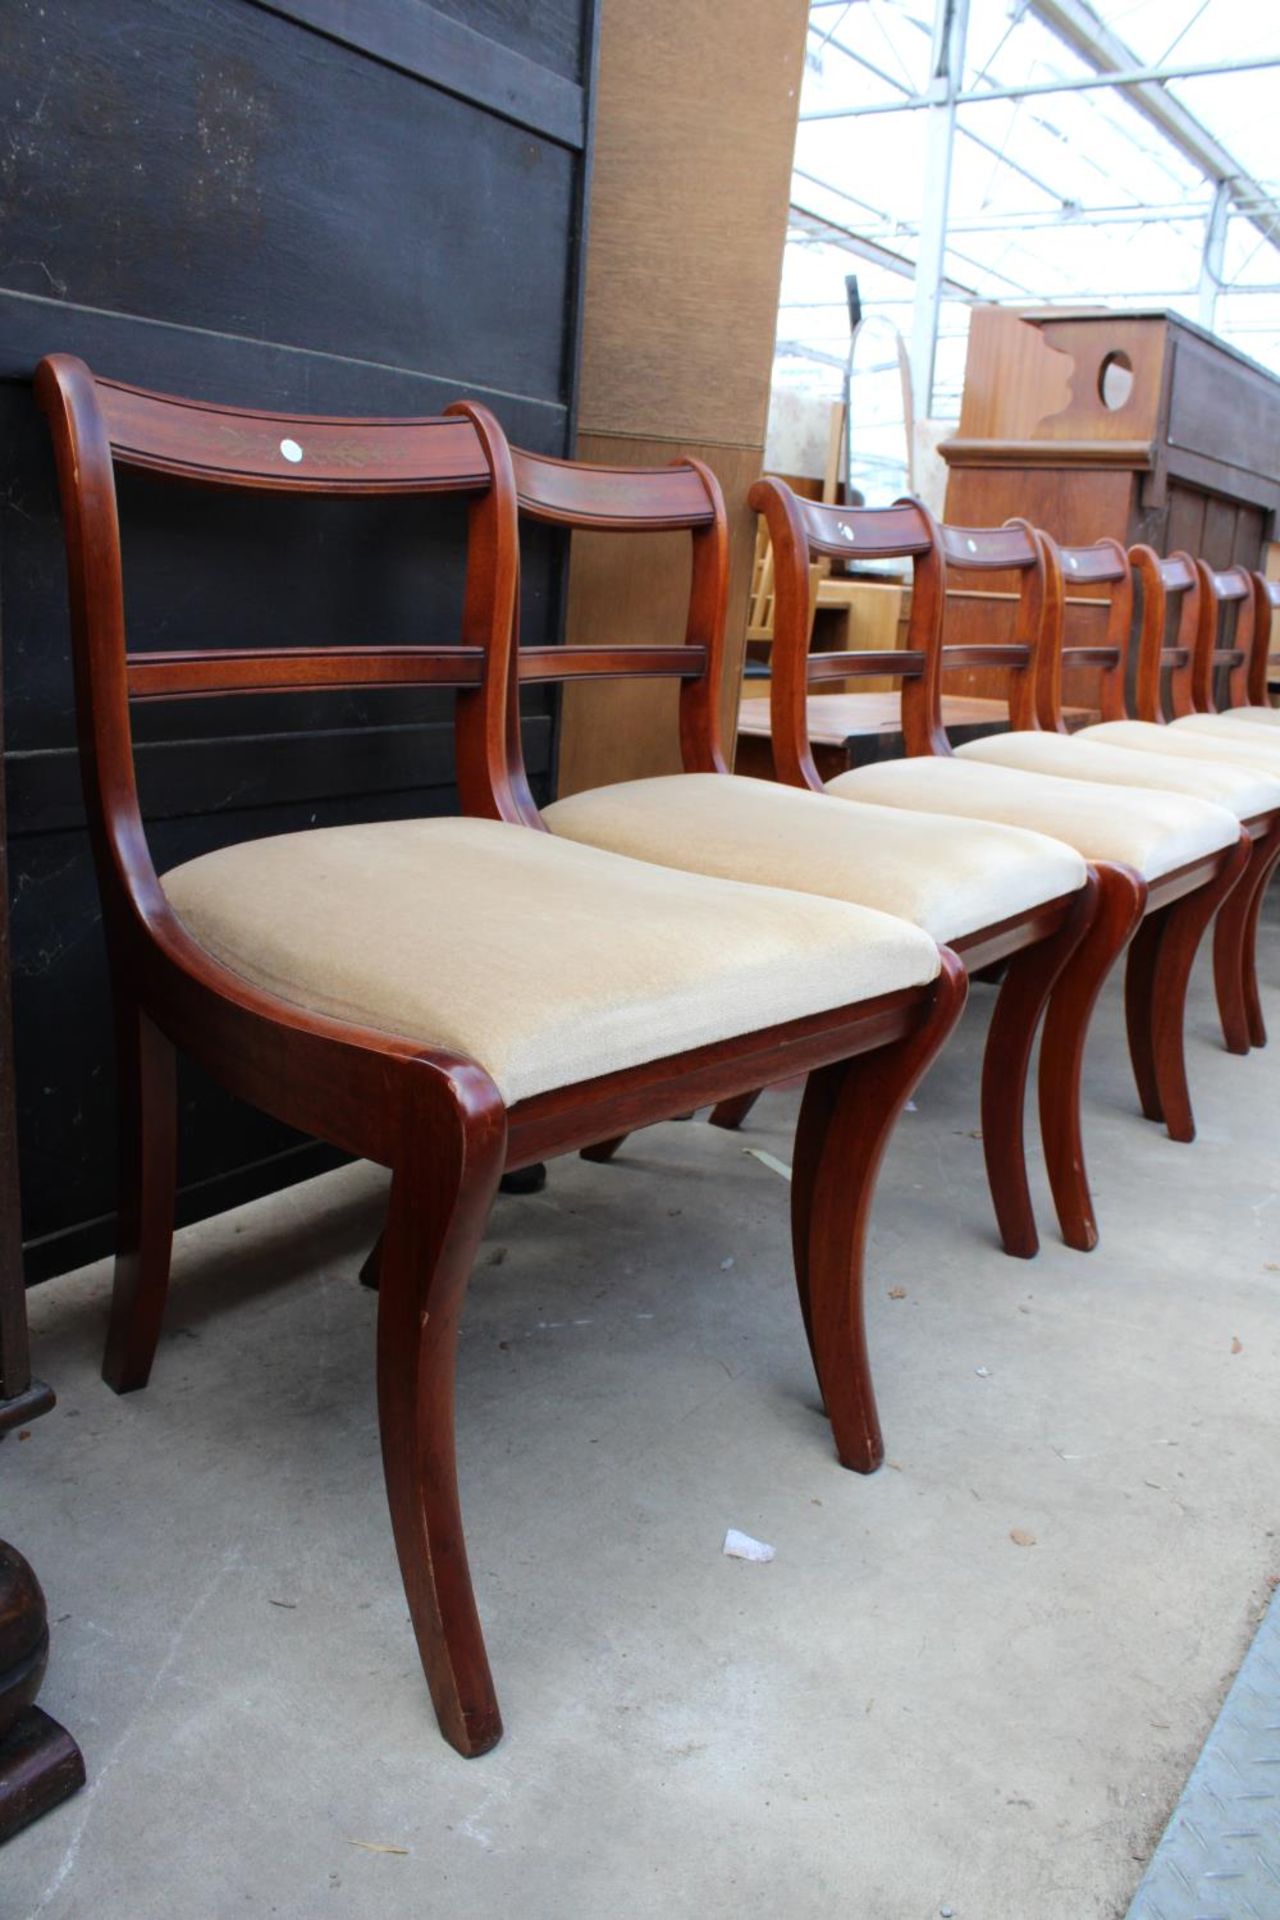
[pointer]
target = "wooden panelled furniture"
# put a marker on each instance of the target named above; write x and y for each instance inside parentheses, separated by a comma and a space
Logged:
(1164, 863)
(1138, 427)
(40, 1764)
(451, 997)
(990, 893)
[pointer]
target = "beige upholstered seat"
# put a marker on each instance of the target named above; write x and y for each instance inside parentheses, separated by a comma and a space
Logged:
(1251, 750)
(545, 962)
(1155, 833)
(949, 878)
(1241, 789)
(1252, 716)
(1228, 728)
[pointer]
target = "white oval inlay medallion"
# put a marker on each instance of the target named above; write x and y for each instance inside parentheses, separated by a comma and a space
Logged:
(291, 451)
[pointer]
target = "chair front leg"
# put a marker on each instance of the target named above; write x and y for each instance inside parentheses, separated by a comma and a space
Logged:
(1122, 896)
(1235, 958)
(847, 1115)
(1028, 982)
(1252, 995)
(441, 1192)
(146, 1075)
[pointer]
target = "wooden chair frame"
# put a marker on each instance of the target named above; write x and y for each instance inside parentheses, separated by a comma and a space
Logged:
(1040, 943)
(1189, 664)
(434, 1118)
(1164, 920)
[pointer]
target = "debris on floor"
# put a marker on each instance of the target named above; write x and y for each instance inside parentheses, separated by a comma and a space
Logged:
(740, 1546)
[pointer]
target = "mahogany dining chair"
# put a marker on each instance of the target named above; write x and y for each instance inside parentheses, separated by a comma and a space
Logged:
(448, 997)
(1164, 862)
(1122, 752)
(1177, 722)
(991, 893)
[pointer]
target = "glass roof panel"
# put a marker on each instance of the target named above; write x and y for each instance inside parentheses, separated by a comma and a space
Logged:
(1068, 196)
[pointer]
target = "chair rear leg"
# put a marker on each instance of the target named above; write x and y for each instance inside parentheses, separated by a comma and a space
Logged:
(1029, 979)
(1186, 923)
(847, 1116)
(1139, 998)
(1122, 895)
(602, 1151)
(440, 1199)
(148, 1123)
(730, 1114)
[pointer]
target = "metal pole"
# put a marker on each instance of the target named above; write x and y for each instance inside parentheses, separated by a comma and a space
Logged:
(951, 20)
(1215, 239)
(1082, 83)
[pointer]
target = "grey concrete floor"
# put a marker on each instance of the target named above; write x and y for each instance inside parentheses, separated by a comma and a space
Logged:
(907, 1711)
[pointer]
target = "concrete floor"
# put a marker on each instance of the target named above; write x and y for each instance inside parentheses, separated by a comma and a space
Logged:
(907, 1712)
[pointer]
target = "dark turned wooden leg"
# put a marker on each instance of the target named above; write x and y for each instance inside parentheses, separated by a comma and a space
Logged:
(1139, 995)
(440, 1198)
(148, 1119)
(1186, 923)
(1122, 895)
(1029, 979)
(731, 1113)
(526, 1180)
(40, 1764)
(847, 1115)
(1249, 953)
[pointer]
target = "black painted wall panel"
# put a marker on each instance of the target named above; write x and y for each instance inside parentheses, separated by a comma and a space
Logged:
(249, 176)
(208, 197)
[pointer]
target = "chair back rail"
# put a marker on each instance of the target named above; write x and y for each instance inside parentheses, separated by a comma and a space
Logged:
(801, 529)
(1012, 548)
(98, 425)
(1221, 590)
(1263, 658)
(1103, 564)
(682, 497)
(1160, 578)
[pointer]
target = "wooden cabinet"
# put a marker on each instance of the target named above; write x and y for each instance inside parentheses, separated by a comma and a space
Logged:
(1137, 425)
(1091, 423)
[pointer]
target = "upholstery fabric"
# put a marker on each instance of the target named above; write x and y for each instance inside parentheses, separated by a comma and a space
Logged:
(1242, 748)
(1152, 832)
(1228, 731)
(947, 878)
(1239, 788)
(544, 962)
(1251, 716)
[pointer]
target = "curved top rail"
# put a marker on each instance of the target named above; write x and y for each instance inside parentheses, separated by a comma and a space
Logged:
(988, 549)
(1232, 583)
(1177, 573)
(1105, 561)
(569, 493)
(289, 452)
(867, 533)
